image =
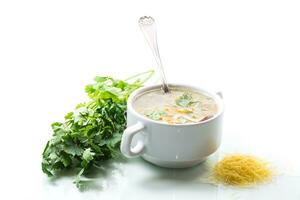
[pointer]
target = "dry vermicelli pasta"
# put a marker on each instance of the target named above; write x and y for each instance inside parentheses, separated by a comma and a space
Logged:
(241, 170)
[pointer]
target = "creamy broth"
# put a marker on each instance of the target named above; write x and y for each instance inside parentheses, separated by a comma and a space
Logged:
(180, 106)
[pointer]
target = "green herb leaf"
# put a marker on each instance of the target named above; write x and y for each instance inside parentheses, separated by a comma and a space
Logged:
(91, 133)
(184, 100)
(156, 114)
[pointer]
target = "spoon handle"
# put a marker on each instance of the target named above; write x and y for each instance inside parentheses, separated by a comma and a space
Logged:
(147, 25)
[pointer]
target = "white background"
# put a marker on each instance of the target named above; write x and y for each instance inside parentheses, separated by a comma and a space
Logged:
(49, 50)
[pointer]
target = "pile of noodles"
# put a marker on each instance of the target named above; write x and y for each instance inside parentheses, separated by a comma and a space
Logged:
(241, 170)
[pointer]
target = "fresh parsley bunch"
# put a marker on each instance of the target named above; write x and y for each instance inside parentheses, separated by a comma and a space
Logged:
(92, 133)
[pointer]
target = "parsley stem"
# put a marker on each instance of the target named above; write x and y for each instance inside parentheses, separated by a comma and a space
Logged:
(136, 76)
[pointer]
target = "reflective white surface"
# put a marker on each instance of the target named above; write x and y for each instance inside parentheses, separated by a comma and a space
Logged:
(49, 50)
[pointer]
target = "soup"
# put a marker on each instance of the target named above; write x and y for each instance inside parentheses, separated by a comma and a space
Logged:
(180, 106)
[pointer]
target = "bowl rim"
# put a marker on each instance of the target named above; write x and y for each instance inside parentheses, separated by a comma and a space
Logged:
(215, 95)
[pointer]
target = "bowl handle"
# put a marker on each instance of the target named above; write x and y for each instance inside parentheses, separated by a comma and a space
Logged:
(127, 137)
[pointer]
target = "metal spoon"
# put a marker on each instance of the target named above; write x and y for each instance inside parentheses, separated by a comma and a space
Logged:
(147, 25)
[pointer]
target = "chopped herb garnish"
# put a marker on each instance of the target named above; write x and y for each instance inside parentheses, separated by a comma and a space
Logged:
(184, 100)
(156, 114)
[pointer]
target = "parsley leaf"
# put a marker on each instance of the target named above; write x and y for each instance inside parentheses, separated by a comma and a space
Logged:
(91, 133)
(156, 114)
(184, 100)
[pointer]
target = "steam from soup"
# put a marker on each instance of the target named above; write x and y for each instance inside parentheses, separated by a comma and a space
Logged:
(180, 106)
